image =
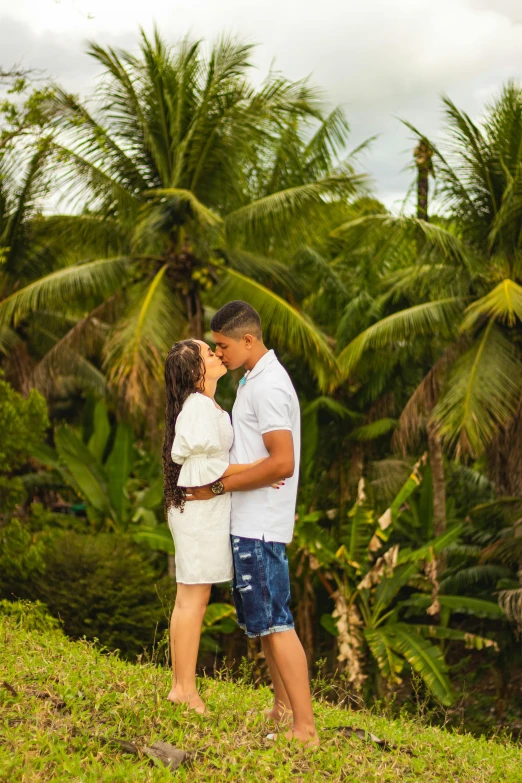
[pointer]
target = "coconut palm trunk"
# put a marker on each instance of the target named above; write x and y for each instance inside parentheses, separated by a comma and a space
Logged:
(423, 159)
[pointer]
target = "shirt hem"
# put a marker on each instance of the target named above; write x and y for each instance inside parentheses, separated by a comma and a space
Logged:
(268, 537)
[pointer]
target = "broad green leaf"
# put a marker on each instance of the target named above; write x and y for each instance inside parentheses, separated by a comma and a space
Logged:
(390, 664)
(83, 466)
(46, 455)
(389, 586)
(118, 468)
(436, 546)
(471, 640)
(102, 429)
(157, 537)
(217, 612)
(375, 429)
(328, 623)
(458, 604)
(426, 659)
(153, 496)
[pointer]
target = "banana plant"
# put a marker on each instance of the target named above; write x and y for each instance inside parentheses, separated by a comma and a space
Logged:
(365, 575)
(103, 470)
(219, 619)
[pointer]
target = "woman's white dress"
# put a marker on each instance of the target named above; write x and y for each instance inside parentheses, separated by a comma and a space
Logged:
(202, 442)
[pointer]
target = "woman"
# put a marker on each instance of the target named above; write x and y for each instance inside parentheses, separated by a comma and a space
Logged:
(198, 438)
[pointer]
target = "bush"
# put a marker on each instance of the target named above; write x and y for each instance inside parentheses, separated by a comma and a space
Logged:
(21, 561)
(104, 588)
(31, 616)
(23, 423)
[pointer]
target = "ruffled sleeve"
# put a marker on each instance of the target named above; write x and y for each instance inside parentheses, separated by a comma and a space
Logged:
(197, 446)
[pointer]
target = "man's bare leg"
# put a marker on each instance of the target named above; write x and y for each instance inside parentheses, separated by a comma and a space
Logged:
(185, 633)
(290, 660)
(281, 706)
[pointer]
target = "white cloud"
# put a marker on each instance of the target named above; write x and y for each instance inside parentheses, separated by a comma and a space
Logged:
(379, 58)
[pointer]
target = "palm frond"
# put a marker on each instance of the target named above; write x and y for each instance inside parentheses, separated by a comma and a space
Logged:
(446, 245)
(101, 277)
(81, 236)
(135, 352)
(8, 339)
(481, 395)
(465, 579)
(90, 138)
(15, 237)
(65, 357)
(265, 269)
(434, 318)
(503, 303)
(271, 214)
(511, 603)
(329, 140)
(91, 186)
(413, 418)
(167, 208)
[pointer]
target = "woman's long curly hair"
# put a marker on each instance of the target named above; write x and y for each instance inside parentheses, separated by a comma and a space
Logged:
(184, 375)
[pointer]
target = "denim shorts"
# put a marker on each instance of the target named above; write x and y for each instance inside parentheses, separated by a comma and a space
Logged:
(261, 586)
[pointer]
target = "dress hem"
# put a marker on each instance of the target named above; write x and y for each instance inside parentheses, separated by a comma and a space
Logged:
(206, 581)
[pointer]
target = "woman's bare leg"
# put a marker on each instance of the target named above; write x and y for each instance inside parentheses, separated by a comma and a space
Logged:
(185, 633)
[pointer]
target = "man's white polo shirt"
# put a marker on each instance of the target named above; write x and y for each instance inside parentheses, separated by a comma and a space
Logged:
(266, 401)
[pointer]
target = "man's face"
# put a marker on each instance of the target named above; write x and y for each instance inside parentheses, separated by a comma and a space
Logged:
(233, 353)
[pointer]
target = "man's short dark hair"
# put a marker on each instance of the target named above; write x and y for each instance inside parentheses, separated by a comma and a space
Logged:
(236, 319)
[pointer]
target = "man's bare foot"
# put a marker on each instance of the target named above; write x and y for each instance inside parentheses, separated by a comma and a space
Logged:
(307, 738)
(192, 700)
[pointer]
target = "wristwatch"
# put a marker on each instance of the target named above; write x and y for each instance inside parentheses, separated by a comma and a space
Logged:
(218, 488)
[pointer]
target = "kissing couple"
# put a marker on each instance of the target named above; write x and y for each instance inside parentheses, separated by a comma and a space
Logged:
(230, 494)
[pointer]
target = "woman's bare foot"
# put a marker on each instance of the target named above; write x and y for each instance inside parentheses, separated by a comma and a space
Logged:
(277, 713)
(192, 700)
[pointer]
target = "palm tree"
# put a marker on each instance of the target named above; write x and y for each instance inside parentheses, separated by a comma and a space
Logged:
(464, 286)
(187, 200)
(21, 258)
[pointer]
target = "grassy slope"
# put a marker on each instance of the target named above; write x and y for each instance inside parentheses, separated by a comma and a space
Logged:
(43, 740)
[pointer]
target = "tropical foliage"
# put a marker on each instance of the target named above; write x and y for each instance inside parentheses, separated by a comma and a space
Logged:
(127, 220)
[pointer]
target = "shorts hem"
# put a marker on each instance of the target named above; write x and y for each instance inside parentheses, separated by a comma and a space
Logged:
(272, 629)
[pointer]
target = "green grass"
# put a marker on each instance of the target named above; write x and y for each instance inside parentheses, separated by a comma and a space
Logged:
(70, 696)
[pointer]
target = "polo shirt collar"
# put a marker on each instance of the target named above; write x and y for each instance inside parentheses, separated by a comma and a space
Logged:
(261, 365)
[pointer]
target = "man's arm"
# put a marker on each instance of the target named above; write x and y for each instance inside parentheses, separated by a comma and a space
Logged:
(278, 465)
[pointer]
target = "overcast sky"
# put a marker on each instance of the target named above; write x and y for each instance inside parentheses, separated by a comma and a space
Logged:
(380, 59)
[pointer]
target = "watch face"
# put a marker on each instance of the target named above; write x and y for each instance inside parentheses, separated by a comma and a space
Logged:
(218, 488)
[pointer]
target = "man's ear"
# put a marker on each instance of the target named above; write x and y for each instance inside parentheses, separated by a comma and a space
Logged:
(249, 341)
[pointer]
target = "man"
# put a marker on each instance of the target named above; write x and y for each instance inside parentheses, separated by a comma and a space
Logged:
(266, 421)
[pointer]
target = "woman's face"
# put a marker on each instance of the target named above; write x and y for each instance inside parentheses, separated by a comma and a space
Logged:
(214, 367)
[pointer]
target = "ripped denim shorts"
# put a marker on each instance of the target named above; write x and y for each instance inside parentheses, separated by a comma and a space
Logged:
(261, 586)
